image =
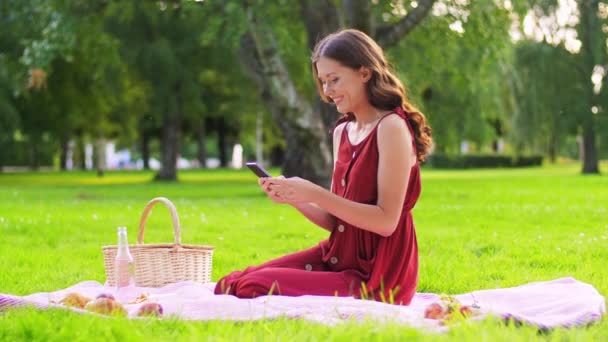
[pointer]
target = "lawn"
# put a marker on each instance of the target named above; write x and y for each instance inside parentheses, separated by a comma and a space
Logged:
(476, 229)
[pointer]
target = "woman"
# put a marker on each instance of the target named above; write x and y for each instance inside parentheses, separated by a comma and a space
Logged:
(378, 145)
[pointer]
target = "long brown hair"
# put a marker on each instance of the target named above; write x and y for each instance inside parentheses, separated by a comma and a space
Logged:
(355, 49)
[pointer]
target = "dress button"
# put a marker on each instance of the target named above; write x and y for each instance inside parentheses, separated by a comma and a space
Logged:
(341, 228)
(354, 154)
(343, 182)
(333, 260)
(308, 267)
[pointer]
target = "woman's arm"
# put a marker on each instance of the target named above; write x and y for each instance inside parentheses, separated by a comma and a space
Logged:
(396, 159)
(316, 215)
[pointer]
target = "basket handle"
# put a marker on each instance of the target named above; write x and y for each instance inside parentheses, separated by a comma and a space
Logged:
(174, 219)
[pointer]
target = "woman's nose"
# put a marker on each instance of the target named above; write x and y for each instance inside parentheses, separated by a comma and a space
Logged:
(326, 89)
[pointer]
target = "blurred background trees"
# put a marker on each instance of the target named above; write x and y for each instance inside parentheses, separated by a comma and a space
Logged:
(186, 79)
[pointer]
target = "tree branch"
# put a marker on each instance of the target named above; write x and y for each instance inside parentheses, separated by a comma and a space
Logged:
(389, 35)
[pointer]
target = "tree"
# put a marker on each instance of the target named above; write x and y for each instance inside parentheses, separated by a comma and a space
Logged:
(306, 123)
(587, 21)
(19, 30)
(67, 77)
(456, 65)
(228, 98)
(549, 92)
(161, 41)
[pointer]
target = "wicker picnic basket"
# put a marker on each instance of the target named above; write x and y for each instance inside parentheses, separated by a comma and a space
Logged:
(164, 263)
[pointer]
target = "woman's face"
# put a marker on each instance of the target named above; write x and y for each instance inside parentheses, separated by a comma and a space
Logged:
(345, 86)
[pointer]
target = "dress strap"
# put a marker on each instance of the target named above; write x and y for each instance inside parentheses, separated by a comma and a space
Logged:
(344, 118)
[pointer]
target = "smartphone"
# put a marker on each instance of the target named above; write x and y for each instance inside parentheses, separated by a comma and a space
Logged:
(258, 169)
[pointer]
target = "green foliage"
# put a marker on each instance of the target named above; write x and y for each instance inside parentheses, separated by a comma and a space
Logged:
(192, 49)
(549, 87)
(288, 27)
(459, 83)
(9, 119)
(83, 73)
(522, 7)
(113, 67)
(19, 153)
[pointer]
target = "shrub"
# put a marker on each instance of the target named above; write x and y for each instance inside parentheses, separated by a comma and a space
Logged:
(469, 161)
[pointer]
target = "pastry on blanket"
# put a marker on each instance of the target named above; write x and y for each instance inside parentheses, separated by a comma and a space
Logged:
(435, 311)
(449, 309)
(76, 300)
(140, 299)
(105, 295)
(106, 306)
(150, 309)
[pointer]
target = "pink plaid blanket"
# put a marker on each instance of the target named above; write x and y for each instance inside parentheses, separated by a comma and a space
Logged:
(564, 302)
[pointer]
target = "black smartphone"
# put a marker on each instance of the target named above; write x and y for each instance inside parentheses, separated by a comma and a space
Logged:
(258, 169)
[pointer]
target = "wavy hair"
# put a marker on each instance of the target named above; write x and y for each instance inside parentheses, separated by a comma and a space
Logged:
(355, 49)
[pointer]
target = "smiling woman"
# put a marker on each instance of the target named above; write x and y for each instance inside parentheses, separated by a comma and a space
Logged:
(351, 71)
(372, 250)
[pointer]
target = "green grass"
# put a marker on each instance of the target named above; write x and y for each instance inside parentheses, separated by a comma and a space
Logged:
(476, 229)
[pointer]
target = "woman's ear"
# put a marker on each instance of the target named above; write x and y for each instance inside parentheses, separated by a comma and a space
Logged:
(365, 73)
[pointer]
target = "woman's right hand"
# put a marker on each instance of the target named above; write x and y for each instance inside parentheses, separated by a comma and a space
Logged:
(265, 184)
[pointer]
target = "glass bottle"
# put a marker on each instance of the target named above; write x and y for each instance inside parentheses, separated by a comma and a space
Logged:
(124, 266)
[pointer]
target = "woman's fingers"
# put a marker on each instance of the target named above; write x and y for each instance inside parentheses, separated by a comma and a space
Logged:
(276, 188)
(265, 184)
(264, 181)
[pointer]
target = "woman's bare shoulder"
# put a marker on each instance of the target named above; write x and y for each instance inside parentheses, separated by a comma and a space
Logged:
(392, 123)
(394, 134)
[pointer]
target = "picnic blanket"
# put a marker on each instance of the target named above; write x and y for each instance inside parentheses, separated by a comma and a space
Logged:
(564, 302)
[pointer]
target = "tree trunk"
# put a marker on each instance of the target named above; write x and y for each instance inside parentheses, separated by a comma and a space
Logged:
(357, 13)
(34, 155)
(3, 147)
(259, 134)
(590, 160)
(170, 132)
(100, 156)
(307, 153)
(170, 138)
(552, 147)
(277, 156)
(592, 53)
(201, 137)
(221, 142)
(145, 148)
(81, 155)
(320, 19)
(63, 156)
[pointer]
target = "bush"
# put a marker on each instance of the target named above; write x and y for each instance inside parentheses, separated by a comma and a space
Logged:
(469, 161)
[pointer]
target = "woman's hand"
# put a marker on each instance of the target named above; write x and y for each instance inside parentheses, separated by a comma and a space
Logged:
(265, 184)
(293, 190)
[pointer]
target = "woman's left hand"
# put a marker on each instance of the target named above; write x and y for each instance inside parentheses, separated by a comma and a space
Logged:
(294, 189)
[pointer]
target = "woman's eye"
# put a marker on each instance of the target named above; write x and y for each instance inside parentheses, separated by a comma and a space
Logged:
(332, 81)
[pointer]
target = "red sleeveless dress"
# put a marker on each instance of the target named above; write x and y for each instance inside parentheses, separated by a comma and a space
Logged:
(353, 261)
